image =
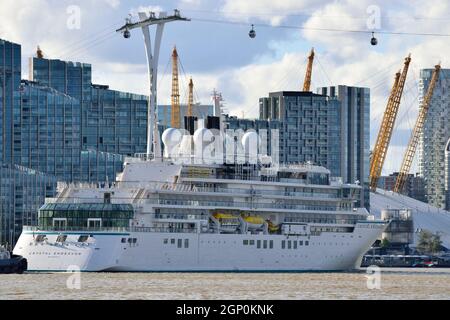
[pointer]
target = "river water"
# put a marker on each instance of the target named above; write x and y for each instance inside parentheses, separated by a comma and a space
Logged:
(393, 284)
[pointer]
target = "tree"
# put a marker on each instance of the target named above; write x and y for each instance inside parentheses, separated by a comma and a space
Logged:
(429, 243)
(436, 243)
(385, 243)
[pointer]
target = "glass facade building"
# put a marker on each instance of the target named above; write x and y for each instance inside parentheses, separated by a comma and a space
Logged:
(235, 123)
(309, 127)
(47, 131)
(10, 74)
(62, 125)
(111, 121)
(434, 137)
(354, 130)
(116, 122)
(22, 193)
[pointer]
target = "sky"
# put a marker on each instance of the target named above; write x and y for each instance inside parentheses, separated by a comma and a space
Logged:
(216, 51)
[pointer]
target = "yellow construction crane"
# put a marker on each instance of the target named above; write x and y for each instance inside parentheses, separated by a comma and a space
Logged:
(190, 98)
(175, 114)
(307, 82)
(387, 126)
(414, 139)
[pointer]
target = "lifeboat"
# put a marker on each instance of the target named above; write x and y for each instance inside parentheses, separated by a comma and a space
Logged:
(228, 222)
(253, 222)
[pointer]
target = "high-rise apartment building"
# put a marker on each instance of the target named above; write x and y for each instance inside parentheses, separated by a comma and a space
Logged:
(47, 131)
(10, 73)
(309, 127)
(435, 135)
(354, 134)
(61, 125)
(111, 121)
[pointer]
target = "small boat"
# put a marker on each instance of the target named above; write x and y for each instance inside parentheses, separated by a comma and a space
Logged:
(253, 222)
(11, 263)
(228, 222)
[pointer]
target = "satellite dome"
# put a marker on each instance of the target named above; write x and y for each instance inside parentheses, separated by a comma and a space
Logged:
(171, 137)
(199, 134)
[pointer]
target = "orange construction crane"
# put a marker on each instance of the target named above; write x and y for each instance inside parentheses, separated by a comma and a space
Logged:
(175, 114)
(414, 139)
(387, 126)
(190, 98)
(307, 82)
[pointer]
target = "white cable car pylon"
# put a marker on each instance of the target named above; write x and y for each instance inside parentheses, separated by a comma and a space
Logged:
(146, 20)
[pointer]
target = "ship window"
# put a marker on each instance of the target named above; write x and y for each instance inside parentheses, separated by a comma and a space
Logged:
(186, 243)
(166, 241)
(134, 240)
(289, 244)
(265, 244)
(123, 240)
(295, 244)
(94, 223)
(129, 240)
(283, 244)
(271, 244)
(172, 241)
(306, 243)
(245, 242)
(40, 238)
(258, 244)
(61, 238)
(252, 242)
(59, 223)
(180, 242)
(300, 242)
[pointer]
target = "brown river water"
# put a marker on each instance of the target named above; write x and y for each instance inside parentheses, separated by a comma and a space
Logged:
(394, 283)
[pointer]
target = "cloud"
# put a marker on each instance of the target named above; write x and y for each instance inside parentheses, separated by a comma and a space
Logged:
(254, 69)
(113, 3)
(270, 11)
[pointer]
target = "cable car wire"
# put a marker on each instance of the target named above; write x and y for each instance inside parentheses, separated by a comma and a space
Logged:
(321, 29)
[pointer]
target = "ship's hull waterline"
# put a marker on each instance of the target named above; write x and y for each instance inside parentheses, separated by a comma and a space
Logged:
(196, 252)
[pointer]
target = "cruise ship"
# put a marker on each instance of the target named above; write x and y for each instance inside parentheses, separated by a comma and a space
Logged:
(160, 215)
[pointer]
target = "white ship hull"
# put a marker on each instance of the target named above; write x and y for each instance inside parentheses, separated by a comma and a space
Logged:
(157, 252)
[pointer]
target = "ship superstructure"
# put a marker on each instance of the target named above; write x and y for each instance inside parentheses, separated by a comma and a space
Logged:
(163, 216)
